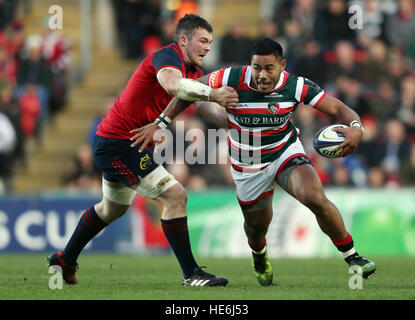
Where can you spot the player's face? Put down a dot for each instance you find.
(197, 47)
(266, 71)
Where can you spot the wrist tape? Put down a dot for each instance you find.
(356, 123)
(162, 121)
(192, 90)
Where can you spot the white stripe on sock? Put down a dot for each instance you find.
(262, 251)
(349, 253)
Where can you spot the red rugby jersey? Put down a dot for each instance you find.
(144, 99)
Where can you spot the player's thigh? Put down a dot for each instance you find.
(304, 184)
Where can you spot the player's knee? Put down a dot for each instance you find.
(180, 197)
(314, 198)
(99, 208)
(176, 198)
(109, 211)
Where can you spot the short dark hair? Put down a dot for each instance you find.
(267, 46)
(188, 24)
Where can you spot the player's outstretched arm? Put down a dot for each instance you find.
(169, 78)
(214, 113)
(192, 90)
(344, 115)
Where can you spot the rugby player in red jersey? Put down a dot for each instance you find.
(268, 97)
(165, 73)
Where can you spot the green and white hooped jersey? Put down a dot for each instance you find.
(260, 126)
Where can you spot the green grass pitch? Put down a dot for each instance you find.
(125, 277)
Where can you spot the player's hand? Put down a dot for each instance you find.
(225, 96)
(353, 136)
(144, 135)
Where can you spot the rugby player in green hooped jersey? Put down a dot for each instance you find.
(264, 148)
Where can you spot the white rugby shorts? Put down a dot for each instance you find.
(252, 186)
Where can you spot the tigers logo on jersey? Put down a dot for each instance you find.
(273, 108)
(215, 79)
(145, 162)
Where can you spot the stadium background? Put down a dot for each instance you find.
(56, 86)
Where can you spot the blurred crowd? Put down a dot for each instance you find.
(33, 87)
(369, 65)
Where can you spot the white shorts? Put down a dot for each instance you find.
(252, 186)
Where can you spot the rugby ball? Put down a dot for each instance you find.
(326, 140)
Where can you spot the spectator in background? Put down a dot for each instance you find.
(308, 124)
(406, 112)
(394, 151)
(401, 26)
(16, 40)
(376, 178)
(150, 44)
(344, 63)
(34, 70)
(130, 32)
(270, 29)
(295, 37)
(351, 92)
(369, 149)
(235, 47)
(7, 146)
(136, 19)
(377, 64)
(341, 176)
(167, 31)
(407, 170)
(8, 67)
(213, 171)
(83, 173)
(302, 11)
(282, 12)
(356, 170)
(150, 24)
(7, 11)
(311, 63)
(374, 21)
(56, 51)
(348, 171)
(385, 104)
(30, 114)
(109, 101)
(397, 69)
(331, 24)
(11, 108)
(180, 170)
